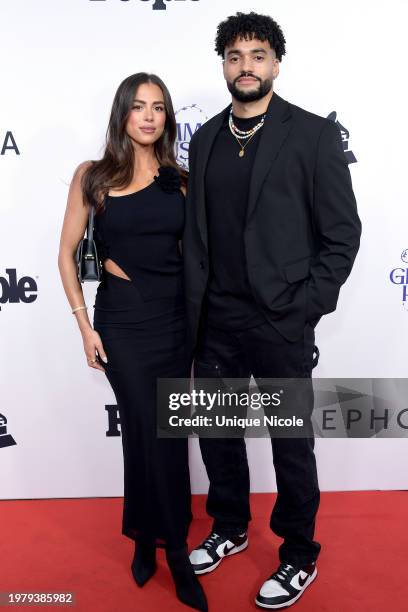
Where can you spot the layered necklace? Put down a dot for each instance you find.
(243, 134)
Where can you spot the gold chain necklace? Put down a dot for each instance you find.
(254, 130)
(242, 151)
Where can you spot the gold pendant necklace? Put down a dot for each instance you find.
(242, 151)
(254, 131)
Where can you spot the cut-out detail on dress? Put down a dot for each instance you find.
(118, 268)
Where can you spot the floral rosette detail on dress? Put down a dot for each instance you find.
(168, 179)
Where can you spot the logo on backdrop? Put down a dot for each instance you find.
(189, 119)
(399, 276)
(13, 291)
(157, 5)
(5, 438)
(113, 421)
(345, 135)
(8, 144)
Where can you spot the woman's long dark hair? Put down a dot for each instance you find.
(115, 169)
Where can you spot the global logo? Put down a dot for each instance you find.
(399, 276)
(345, 135)
(5, 438)
(13, 291)
(189, 119)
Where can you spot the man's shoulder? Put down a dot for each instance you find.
(307, 117)
(310, 126)
(205, 127)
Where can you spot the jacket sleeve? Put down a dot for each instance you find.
(336, 223)
(190, 189)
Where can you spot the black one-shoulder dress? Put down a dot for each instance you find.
(142, 324)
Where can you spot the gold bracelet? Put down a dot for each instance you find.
(80, 308)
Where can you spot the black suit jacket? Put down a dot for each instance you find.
(302, 229)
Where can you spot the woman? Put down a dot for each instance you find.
(139, 323)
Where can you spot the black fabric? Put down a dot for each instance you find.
(229, 301)
(301, 234)
(141, 348)
(144, 561)
(263, 352)
(140, 232)
(188, 587)
(142, 324)
(302, 230)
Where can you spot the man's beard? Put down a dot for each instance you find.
(251, 95)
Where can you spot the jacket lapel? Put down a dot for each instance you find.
(203, 154)
(274, 132)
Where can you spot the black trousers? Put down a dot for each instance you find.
(145, 340)
(262, 352)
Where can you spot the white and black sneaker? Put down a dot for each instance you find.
(285, 586)
(209, 554)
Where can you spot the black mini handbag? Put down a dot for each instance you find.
(89, 266)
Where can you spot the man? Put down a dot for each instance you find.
(272, 231)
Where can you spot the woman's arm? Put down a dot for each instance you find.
(73, 229)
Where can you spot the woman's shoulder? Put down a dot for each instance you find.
(83, 166)
(81, 170)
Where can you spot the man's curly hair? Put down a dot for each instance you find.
(248, 26)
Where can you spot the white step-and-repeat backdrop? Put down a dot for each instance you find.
(61, 63)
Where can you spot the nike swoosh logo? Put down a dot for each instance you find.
(303, 580)
(227, 550)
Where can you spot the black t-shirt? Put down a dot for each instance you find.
(229, 302)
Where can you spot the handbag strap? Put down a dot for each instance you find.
(89, 231)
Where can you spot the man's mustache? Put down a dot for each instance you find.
(246, 74)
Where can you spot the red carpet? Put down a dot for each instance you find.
(76, 545)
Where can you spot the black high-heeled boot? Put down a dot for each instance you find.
(144, 561)
(188, 588)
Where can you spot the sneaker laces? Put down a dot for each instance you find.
(283, 572)
(211, 540)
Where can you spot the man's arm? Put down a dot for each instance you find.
(336, 223)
